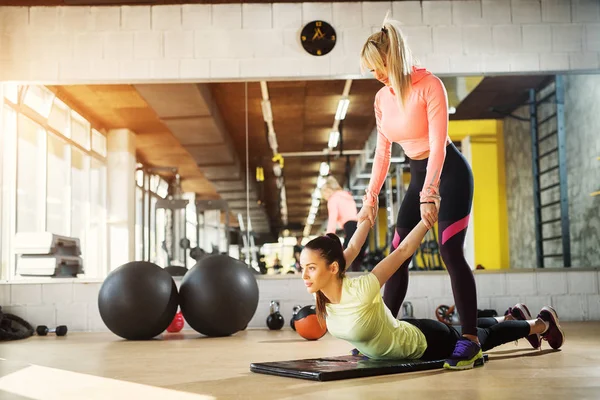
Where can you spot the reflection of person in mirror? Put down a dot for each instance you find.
(412, 110)
(353, 308)
(341, 210)
(297, 250)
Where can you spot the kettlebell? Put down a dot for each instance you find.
(294, 313)
(275, 320)
(407, 310)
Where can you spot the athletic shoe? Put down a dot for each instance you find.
(466, 353)
(520, 312)
(554, 335)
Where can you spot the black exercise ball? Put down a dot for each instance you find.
(138, 300)
(218, 296)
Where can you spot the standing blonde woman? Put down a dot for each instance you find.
(412, 110)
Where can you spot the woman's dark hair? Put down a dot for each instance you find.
(330, 248)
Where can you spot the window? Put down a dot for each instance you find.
(31, 176)
(39, 99)
(59, 117)
(80, 196)
(95, 262)
(58, 213)
(80, 130)
(11, 92)
(98, 143)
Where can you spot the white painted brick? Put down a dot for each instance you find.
(134, 69)
(166, 17)
(374, 12)
(315, 66)
(15, 70)
(179, 44)
(106, 18)
(585, 10)
(224, 68)
(587, 61)
(495, 63)
(266, 43)
(118, 45)
(438, 64)
(353, 40)
(496, 11)
(284, 67)
(447, 39)
(164, 69)
(582, 281)
(427, 286)
(572, 307)
(51, 46)
(535, 303)
(592, 37)
(95, 323)
(289, 16)
(43, 18)
(227, 16)
(86, 292)
(148, 45)
(419, 38)
(466, 64)
(537, 38)
(196, 16)
(524, 62)
(257, 16)
(343, 64)
(211, 44)
(467, 12)
(554, 62)
(135, 18)
(408, 12)
(483, 303)
(567, 37)
(521, 284)
(26, 294)
(525, 11)
(57, 293)
(346, 15)
(594, 307)
(19, 311)
(89, 45)
(317, 11)
(75, 19)
(76, 69)
(293, 48)
(46, 70)
(420, 307)
(437, 12)
(551, 283)
(197, 69)
(260, 316)
(556, 11)
(42, 315)
(254, 68)
(507, 38)
(501, 303)
(73, 315)
(12, 18)
(4, 295)
(491, 284)
(477, 39)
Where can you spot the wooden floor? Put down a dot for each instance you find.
(187, 366)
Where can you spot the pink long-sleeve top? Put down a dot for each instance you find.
(341, 208)
(421, 126)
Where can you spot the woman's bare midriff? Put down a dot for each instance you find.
(421, 156)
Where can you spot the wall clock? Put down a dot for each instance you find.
(318, 38)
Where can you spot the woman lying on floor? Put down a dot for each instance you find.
(354, 310)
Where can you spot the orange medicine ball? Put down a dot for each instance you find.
(307, 324)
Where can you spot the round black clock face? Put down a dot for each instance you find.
(318, 38)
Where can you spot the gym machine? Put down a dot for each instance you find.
(47, 254)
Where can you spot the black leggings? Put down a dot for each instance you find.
(442, 338)
(349, 229)
(456, 190)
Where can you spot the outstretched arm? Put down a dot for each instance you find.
(357, 241)
(386, 267)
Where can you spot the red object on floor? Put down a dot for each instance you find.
(176, 324)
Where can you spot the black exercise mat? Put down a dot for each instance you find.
(343, 367)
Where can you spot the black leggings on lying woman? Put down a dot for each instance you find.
(441, 338)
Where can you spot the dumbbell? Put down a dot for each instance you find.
(42, 330)
(275, 319)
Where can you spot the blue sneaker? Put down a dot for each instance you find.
(465, 355)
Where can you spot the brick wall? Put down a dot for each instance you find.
(239, 41)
